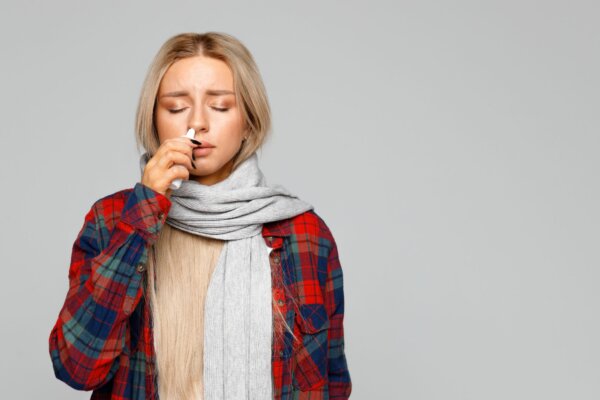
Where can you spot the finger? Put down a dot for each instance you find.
(185, 160)
(175, 157)
(179, 144)
(177, 171)
(183, 139)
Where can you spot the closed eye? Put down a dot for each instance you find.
(214, 108)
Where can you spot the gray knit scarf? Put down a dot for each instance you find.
(238, 308)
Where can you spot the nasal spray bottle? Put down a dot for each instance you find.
(177, 182)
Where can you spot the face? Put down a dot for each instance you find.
(197, 92)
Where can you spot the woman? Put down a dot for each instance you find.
(224, 288)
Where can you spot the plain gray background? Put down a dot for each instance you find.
(451, 146)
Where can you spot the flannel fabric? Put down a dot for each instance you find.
(102, 338)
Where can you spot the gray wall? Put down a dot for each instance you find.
(452, 148)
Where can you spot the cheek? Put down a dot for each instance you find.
(159, 122)
(232, 130)
(166, 129)
(231, 142)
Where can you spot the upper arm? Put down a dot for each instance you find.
(340, 385)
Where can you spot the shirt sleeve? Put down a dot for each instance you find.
(105, 286)
(340, 384)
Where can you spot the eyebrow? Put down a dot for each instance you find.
(209, 92)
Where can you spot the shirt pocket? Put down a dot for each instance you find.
(310, 355)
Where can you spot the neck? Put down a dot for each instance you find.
(215, 177)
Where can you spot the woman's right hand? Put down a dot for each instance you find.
(172, 160)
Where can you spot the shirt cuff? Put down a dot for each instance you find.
(146, 211)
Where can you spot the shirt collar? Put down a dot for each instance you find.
(277, 228)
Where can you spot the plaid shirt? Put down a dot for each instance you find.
(102, 339)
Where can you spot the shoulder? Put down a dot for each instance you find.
(311, 225)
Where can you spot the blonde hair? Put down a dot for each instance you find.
(179, 272)
(181, 264)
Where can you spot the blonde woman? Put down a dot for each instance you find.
(226, 287)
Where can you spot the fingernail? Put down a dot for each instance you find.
(195, 141)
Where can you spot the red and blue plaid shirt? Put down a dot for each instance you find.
(102, 339)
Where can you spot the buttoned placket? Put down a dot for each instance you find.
(275, 243)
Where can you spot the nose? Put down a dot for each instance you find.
(198, 120)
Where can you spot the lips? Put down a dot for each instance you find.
(205, 145)
(202, 151)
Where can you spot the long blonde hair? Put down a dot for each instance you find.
(180, 264)
(179, 271)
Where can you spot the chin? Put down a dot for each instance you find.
(199, 174)
(204, 169)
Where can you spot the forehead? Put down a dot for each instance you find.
(197, 74)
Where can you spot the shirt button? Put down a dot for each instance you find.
(270, 239)
(276, 259)
(161, 215)
(281, 353)
(280, 302)
(141, 268)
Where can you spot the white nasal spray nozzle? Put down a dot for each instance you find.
(177, 182)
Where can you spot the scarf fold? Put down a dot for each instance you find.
(238, 305)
